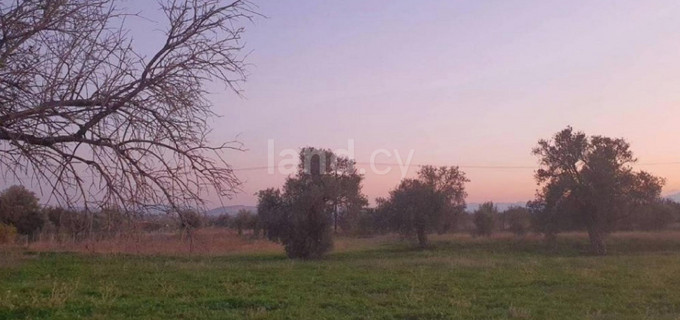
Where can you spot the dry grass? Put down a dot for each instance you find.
(217, 241)
(207, 241)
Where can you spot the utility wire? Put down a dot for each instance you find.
(463, 166)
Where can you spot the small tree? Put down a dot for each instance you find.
(189, 222)
(271, 214)
(244, 220)
(485, 219)
(421, 206)
(412, 208)
(223, 221)
(19, 208)
(73, 223)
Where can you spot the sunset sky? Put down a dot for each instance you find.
(469, 83)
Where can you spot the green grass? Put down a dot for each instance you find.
(457, 279)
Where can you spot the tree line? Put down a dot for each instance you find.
(584, 183)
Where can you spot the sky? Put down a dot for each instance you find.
(468, 83)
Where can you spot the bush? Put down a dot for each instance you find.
(7, 233)
(19, 208)
(298, 218)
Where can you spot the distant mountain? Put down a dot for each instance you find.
(675, 197)
(230, 210)
(502, 206)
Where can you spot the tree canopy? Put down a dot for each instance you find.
(421, 206)
(301, 216)
(590, 181)
(19, 208)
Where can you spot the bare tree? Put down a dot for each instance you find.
(93, 120)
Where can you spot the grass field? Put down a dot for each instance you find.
(380, 278)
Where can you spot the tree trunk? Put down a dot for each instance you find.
(422, 237)
(597, 241)
(335, 218)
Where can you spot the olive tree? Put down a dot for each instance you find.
(271, 213)
(591, 181)
(420, 206)
(302, 215)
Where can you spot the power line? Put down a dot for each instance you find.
(465, 166)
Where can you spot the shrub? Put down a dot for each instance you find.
(19, 207)
(299, 218)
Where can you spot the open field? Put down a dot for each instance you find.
(378, 278)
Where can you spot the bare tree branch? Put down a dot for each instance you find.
(95, 122)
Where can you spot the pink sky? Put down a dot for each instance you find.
(470, 83)
(460, 82)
